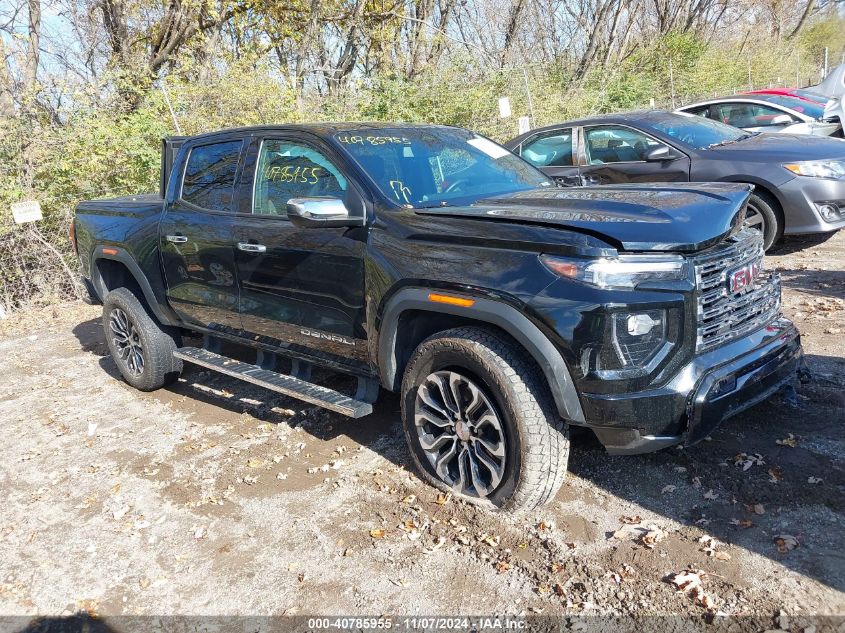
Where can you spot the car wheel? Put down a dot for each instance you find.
(142, 350)
(480, 422)
(763, 214)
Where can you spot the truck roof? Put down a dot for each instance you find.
(322, 128)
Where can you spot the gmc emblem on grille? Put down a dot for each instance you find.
(743, 277)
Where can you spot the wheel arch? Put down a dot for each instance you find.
(393, 354)
(113, 267)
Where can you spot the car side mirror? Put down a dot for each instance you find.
(660, 153)
(781, 119)
(320, 212)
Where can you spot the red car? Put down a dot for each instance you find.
(797, 93)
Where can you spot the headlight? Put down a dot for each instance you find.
(624, 271)
(818, 168)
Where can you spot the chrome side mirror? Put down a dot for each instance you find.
(320, 212)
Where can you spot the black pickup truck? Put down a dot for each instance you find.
(430, 261)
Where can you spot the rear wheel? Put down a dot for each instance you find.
(140, 347)
(763, 214)
(480, 422)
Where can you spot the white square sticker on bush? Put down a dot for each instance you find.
(29, 211)
(488, 147)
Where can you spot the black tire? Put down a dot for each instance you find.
(142, 336)
(536, 441)
(770, 215)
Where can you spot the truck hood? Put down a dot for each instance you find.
(656, 217)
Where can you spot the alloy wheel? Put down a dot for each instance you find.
(460, 433)
(754, 219)
(127, 341)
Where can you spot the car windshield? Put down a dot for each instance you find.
(694, 130)
(811, 109)
(425, 167)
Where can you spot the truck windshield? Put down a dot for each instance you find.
(425, 167)
(694, 130)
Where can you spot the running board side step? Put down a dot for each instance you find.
(280, 383)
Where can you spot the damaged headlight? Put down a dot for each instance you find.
(624, 271)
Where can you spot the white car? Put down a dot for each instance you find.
(772, 113)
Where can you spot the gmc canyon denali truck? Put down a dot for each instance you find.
(431, 261)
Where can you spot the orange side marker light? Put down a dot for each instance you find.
(455, 301)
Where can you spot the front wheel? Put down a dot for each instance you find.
(140, 347)
(480, 422)
(763, 214)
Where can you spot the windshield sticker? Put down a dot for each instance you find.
(488, 147)
(352, 139)
(400, 190)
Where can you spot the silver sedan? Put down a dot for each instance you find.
(770, 113)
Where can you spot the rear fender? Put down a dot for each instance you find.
(115, 253)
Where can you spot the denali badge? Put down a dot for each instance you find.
(743, 277)
(328, 337)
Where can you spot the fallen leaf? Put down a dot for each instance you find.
(653, 536)
(756, 508)
(669, 488)
(711, 495)
(502, 567)
(774, 475)
(634, 520)
(814, 480)
(377, 533)
(558, 589)
(746, 461)
(790, 441)
(443, 499)
(439, 542)
(743, 523)
(409, 499)
(785, 542)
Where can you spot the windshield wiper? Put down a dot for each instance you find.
(743, 137)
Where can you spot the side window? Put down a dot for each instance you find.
(553, 149)
(293, 170)
(209, 180)
(700, 111)
(612, 144)
(748, 114)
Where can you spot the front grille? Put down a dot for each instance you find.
(723, 316)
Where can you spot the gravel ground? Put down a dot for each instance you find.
(214, 497)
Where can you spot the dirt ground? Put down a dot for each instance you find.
(216, 497)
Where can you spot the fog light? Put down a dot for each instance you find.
(829, 211)
(641, 324)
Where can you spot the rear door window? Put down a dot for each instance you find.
(209, 180)
(552, 149)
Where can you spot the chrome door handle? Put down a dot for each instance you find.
(252, 248)
(176, 239)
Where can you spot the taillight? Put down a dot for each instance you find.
(72, 233)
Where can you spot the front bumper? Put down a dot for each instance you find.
(710, 389)
(799, 197)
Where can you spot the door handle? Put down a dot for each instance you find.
(176, 239)
(251, 248)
